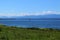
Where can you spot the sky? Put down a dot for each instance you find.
(29, 7)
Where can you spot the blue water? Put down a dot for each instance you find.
(32, 23)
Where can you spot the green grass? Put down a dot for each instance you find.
(16, 33)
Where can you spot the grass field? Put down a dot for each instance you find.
(16, 33)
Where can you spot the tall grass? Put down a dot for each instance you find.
(16, 33)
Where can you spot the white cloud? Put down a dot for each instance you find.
(28, 14)
(50, 12)
(39, 13)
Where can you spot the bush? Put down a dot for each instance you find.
(33, 28)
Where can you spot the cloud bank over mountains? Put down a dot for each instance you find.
(29, 14)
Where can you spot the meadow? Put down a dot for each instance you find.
(19, 33)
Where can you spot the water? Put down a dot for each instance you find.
(32, 23)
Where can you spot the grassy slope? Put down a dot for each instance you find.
(15, 33)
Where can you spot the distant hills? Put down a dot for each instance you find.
(42, 16)
(50, 16)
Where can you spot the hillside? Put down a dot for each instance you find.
(18, 33)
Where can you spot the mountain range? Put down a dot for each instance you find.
(34, 16)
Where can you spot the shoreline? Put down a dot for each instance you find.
(29, 27)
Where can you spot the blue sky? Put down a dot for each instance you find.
(29, 7)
